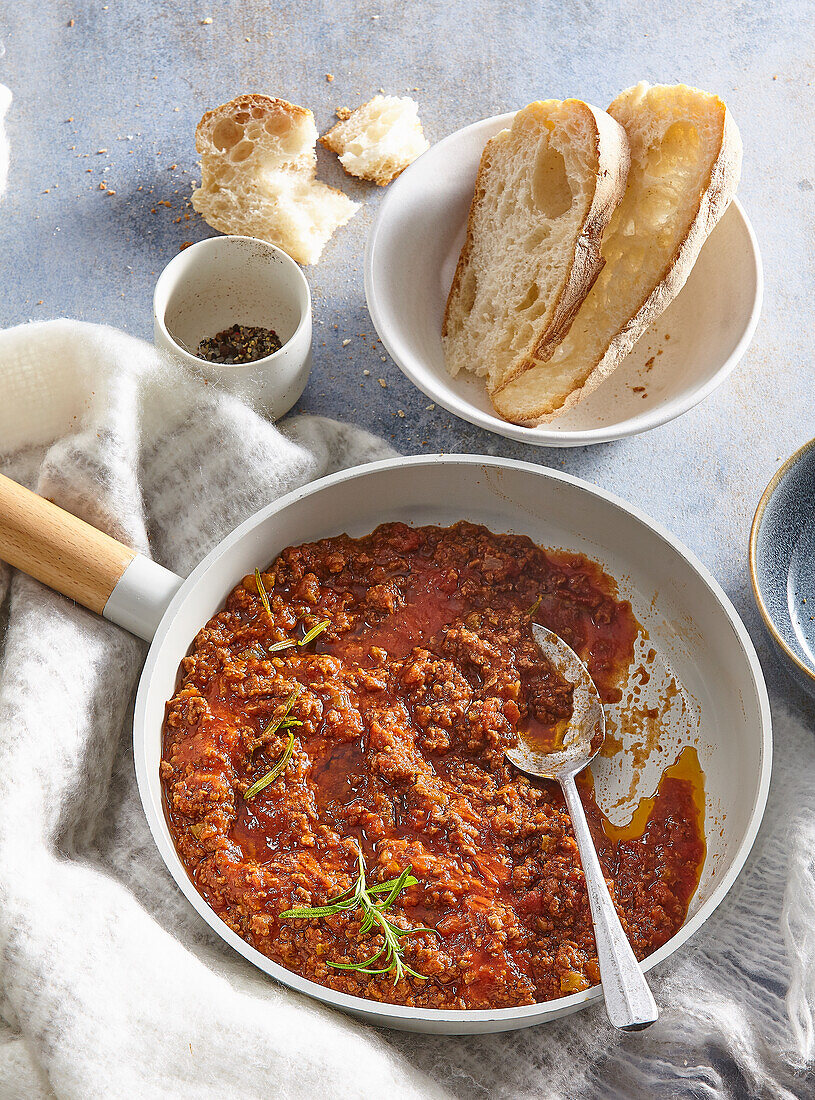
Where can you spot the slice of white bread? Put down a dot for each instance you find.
(685, 164)
(258, 168)
(378, 140)
(544, 194)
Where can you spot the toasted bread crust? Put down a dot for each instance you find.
(245, 103)
(467, 247)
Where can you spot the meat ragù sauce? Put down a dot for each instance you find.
(426, 670)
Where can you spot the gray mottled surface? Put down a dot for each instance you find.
(132, 79)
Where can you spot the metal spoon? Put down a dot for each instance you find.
(629, 1002)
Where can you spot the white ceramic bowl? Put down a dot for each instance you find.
(699, 641)
(238, 280)
(412, 252)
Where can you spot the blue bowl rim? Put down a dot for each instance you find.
(766, 496)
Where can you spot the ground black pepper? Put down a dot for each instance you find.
(239, 344)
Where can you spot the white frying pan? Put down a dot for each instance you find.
(705, 677)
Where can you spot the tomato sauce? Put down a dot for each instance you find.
(426, 671)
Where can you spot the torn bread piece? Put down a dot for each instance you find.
(258, 168)
(378, 140)
(685, 165)
(545, 191)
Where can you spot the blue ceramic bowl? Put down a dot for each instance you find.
(782, 563)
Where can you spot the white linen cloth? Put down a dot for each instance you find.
(110, 985)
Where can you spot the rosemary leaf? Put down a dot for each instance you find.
(314, 632)
(269, 777)
(317, 911)
(262, 593)
(535, 606)
(277, 646)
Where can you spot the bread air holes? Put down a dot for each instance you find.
(277, 125)
(551, 193)
(679, 147)
(530, 297)
(226, 134)
(241, 151)
(469, 287)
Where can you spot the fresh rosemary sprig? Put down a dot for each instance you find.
(361, 896)
(286, 723)
(264, 599)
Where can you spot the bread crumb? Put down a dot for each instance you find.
(430, 407)
(206, 22)
(366, 373)
(100, 151)
(70, 22)
(345, 343)
(343, 113)
(382, 383)
(400, 412)
(329, 77)
(184, 244)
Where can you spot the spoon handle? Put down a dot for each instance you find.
(629, 1002)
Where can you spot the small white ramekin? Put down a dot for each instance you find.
(224, 281)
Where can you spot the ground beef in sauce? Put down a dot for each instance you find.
(426, 671)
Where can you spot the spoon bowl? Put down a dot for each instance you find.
(629, 1002)
(586, 729)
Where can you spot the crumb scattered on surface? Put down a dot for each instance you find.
(329, 77)
(382, 383)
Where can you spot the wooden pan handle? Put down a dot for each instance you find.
(58, 549)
